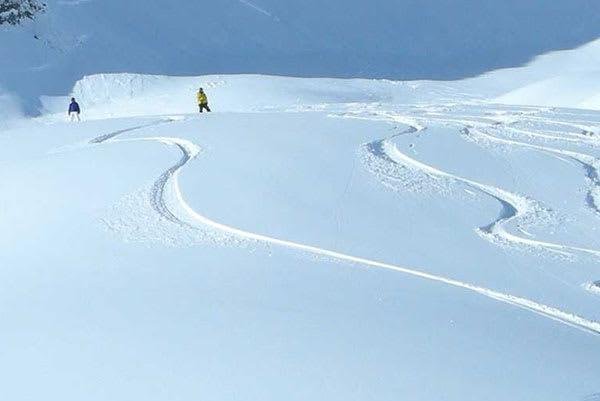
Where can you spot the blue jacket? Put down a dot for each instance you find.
(74, 107)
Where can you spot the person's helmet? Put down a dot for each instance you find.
(72, 99)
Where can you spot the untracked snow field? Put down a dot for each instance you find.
(310, 240)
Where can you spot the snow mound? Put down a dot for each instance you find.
(122, 95)
(577, 90)
(559, 79)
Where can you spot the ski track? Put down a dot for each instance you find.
(107, 137)
(188, 151)
(507, 119)
(515, 208)
(167, 185)
(590, 164)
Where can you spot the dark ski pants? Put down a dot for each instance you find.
(204, 106)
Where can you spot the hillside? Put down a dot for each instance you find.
(349, 240)
(398, 40)
(312, 238)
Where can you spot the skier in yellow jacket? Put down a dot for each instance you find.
(202, 100)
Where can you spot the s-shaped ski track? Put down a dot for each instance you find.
(167, 185)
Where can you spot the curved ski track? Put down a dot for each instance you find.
(590, 164)
(168, 185)
(515, 207)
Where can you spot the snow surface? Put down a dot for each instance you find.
(311, 239)
(322, 239)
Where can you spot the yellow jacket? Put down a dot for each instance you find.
(202, 99)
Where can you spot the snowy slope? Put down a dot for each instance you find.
(312, 239)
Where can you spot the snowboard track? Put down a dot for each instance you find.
(167, 185)
(109, 136)
(588, 163)
(591, 165)
(159, 187)
(475, 129)
(515, 208)
(157, 192)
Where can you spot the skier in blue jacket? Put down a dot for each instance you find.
(74, 110)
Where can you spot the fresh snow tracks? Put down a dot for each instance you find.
(167, 187)
(383, 154)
